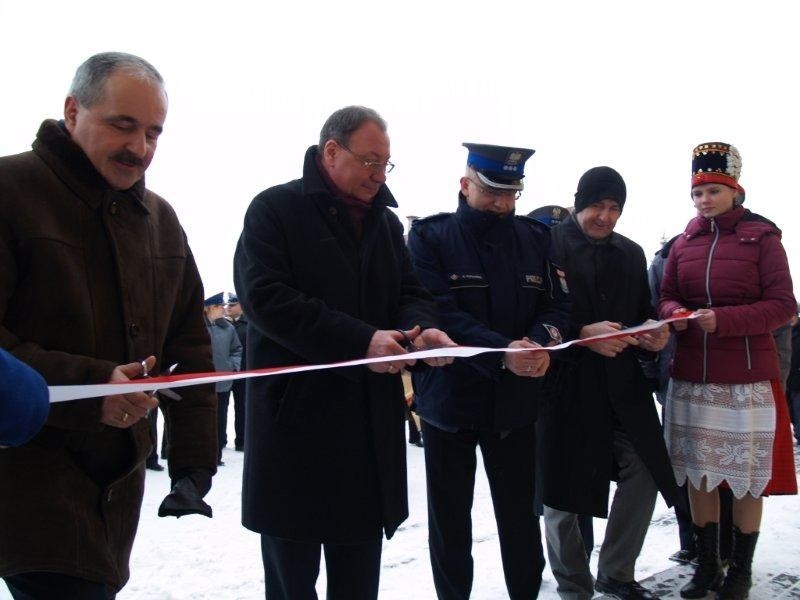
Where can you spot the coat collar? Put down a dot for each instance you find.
(725, 222)
(484, 224)
(740, 220)
(572, 228)
(313, 183)
(67, 160)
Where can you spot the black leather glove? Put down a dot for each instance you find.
(186, 497)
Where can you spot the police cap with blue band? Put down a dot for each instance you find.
(501, 167)
(215, 300)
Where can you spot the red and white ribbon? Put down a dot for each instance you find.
(62, 393)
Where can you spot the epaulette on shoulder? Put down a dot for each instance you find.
(431, 218)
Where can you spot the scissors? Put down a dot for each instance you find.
(167, 393)
(407, 343)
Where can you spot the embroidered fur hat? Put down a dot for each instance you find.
(717, 162)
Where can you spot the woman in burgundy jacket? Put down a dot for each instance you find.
(725, 419)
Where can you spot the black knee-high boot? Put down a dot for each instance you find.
(740, 574)
(708, 574)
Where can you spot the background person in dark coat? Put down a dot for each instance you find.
(604, 424)
(683, 515)
(323, 274)
(793, 381)
(96, 275)
(490, 274)
(227, 352)
(233, 311)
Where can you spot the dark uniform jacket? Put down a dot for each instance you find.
(91, 278)
(324, 451)
(493, 284)
(607, 281)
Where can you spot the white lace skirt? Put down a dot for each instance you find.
(724, 432)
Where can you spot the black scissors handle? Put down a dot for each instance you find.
(407, 343)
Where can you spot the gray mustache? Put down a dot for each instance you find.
(128, 157)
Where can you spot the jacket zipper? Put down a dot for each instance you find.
(747, 352)
(715, 229)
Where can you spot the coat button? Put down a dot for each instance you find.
(113, 208)
(133, 329)
(332, 210)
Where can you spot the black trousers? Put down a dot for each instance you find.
(414, 436)
(683, 515)
(153, 417)
(55, 586)
(291, 569)
(238, 390)
(222, 422)
(510, 462)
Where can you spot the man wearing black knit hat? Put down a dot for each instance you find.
(604, 424)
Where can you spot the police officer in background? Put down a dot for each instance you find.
(490, 274)
(233, 311)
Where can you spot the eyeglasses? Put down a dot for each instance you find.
(373, 165)
(495, 192)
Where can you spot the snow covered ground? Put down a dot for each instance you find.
(198, 558)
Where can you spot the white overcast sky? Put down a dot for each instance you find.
(634, 85)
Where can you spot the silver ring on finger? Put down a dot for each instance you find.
(124, 417)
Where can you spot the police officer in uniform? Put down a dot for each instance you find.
(495, 286)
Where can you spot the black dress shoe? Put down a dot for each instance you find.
(220, 463)
(624, 590)
(417, 443)
(154, 466)
(683, 556)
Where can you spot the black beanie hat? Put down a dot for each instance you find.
(600, 183)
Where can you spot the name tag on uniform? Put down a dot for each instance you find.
(465, 280)
(532, 280)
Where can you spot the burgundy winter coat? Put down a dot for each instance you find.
(734, 264)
